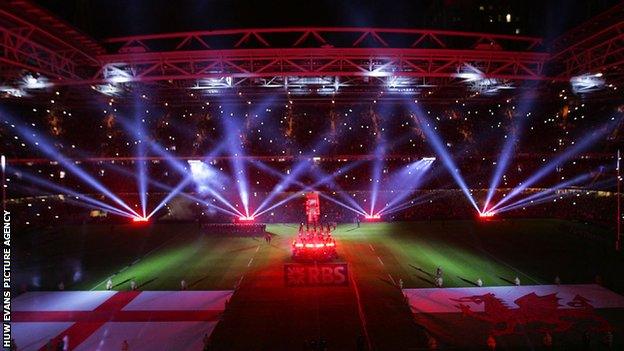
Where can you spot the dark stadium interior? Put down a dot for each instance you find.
(312, 175)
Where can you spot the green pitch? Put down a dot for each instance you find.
(159, 256)
(535, 251)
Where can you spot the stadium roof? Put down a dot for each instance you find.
(183, 54)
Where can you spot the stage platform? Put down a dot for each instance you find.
(102, 320)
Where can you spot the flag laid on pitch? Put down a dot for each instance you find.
(102, 320)
(516, 316)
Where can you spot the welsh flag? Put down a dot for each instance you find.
(519, 316)
(102, 320)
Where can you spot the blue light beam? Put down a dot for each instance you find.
(578, 146)
(436, 143)
(45, 146)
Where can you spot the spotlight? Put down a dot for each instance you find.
(116, 75)
(246, 218)
(107, 89)
(140, 219)
(372, 217)
(31, 82)
(478, 82)
(14, 92)
(586, 83)
(486, 214)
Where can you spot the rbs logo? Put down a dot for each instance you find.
(325, 274)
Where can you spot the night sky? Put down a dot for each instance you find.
(109, 18)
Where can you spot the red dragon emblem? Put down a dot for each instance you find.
(539, 313)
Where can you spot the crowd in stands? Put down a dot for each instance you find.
(276, 129)
(337, 147)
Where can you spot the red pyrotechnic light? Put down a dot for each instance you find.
(246, 218)
(486, 214)
(140, 219)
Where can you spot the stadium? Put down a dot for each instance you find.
(329, 175)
